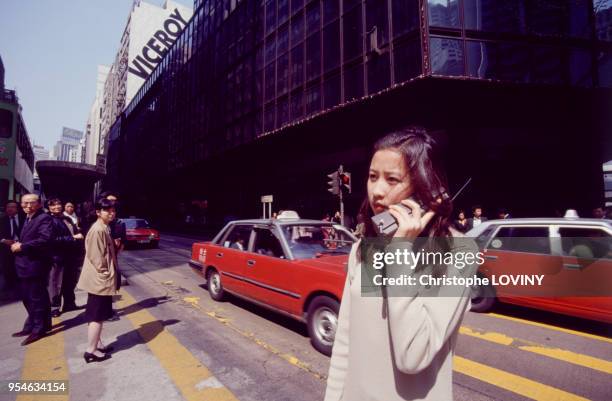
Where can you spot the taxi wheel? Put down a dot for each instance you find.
(215, 288)
(323, 323)
(482, 298)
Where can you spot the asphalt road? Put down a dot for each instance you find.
(173, 342)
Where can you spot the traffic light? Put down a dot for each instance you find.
(345, 181)
(334, 183)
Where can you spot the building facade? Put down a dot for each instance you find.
(149, 32)
(93, 129)
(69, 145)
(267, 97)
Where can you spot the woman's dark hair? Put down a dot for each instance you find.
(423, 163)
(104, 204)
(54, 201)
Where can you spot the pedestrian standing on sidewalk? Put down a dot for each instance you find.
(10, 227)
(390, 346)
(119, 236)
(461, 224)
(70, 212)
(100, 279)
(33, 263)
(66, 254)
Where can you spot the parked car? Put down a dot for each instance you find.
(575, 255)
(139, 232)
(294, 266)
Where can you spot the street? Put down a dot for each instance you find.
(172, 342)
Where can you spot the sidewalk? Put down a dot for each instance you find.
(148, 364)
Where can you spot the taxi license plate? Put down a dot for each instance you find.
(144, 241)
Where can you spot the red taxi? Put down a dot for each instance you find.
(296, 267)
(139, 232)
(574, 256)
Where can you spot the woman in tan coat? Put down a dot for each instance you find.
(100, 279)
(395, 344)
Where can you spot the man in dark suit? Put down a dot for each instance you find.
(10, 227)
(33, 263)
(476, 218)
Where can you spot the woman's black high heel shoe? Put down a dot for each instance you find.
(95, 358)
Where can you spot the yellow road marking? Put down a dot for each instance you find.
(251, 336)
(45, 360)
(540, 349)
(192, 378)
(511, 382)
(548, 326)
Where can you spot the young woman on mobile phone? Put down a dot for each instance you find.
(392, 348)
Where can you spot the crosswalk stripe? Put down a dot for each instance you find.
(556, 353)
(192, 378)
(45, 360)
(551, 327)
(511, 382)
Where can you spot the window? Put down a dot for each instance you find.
(547, 64)
(282, 112)
(405, 16)
(270, 16)
(555, 17)
(313, 18)
(353, 39)
(6, 123)
(283, 11)
(580, 67)
(270, 81)
(297, 106)
(267, 244)
(603, 21)
(331, 91)
(522, 239)
(446, 56)
(353, 82)
(283, 40)
(379, 73)
(238, 238)
(500, 16)
(297, 30)
(313, 56)
(282, 84)
(587, 243)
(331, 10)
(503, 61)
(331, 46)
(377, 18)
(297, 66)
(313, 99)
(407, 61)
(443, 13)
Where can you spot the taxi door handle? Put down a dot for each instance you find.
(491, 257)
(219, 254)
(251, 262)
(571, 266)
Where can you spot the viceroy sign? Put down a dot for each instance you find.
(159, 44)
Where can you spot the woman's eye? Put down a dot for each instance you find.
(372, 177)
(393, 180)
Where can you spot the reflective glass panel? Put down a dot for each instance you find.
(443, 13)
(446, 56)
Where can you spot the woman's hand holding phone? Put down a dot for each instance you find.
(410, 224)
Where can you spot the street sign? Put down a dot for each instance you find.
(267, 199)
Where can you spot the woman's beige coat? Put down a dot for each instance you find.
(394, 348)
(99, 274)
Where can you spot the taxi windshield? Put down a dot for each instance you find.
(135, 223)
(312, 241)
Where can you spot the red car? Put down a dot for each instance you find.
(296, 267)
(139, 232)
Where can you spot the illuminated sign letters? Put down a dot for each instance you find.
(155, 49)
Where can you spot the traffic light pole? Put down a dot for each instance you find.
(341, 209)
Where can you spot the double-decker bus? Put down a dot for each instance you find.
(16, 154)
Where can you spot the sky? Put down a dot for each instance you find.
(51, 50)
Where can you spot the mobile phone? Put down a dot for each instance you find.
(385, 223)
